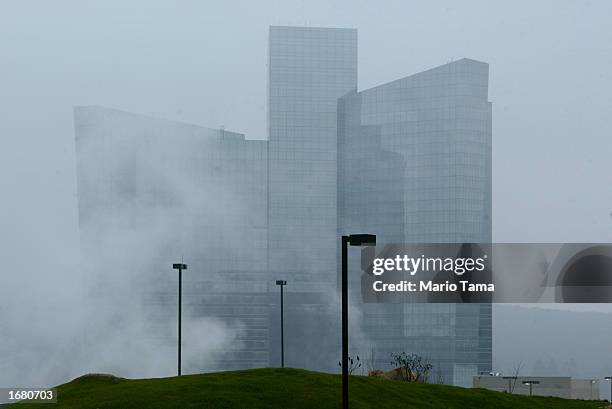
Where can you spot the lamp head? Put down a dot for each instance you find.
(362, 239)
(179, 266)
(281, 282)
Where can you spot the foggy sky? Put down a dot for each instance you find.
(205, 63)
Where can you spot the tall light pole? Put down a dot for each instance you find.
(353, 240)
(281, 284)
(180, 267)
(530, 384)
(609, 378)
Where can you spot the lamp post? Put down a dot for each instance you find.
(352, 240)
(530, 384)
(593, 381)
(180, 267)
(609, 378)
(281, 284)
(510, 379)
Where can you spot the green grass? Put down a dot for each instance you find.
(284, 389)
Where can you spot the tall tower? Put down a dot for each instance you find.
(151, 191)
(309, 69)
(415, 166)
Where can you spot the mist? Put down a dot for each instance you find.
(206, 64)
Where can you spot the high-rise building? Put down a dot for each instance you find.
(152, 192)
(415, 166)
(309, 69)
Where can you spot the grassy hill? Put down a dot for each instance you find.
(283, 389)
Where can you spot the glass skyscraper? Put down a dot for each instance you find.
(415, 166)
(309, 69)
(152, 192)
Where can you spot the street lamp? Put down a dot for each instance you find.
(530, 384)
(609, 378)
(510, 379)
(180, 267)
(353, 240)
(281, 284)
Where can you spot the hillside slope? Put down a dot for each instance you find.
(283, 389)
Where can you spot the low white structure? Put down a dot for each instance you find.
(558, 386)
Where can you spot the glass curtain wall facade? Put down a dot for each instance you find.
(152, 192)
(415, 166)
(309, 69)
